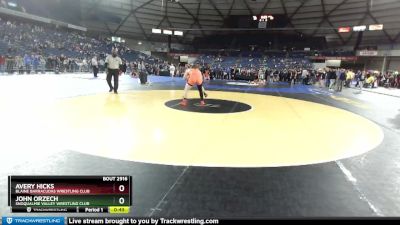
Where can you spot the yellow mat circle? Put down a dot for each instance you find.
(277, 131)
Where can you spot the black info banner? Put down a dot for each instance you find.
(136, 221)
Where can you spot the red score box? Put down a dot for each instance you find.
(67, 189)
(344, 29)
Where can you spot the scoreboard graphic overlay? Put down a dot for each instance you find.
(74, 194)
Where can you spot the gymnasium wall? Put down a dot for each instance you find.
(375, 63)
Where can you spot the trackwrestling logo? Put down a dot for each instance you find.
(33, 220)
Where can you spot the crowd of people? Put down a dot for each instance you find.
(388, 79)
(336, 79)
(247, 64)
(332, 78)
(285, 67)
(27, 48)
(32, 48)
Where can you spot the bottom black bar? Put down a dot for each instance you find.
(136, 221)
(210, 221)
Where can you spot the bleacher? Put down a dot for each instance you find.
(272, 60)
(20, 38)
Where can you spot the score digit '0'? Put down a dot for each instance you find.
(121, 200)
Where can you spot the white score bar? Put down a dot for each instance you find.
(263, 18)
(178, 33)
(376, 27)
(359, 28)
(167, 32)
(156, 31)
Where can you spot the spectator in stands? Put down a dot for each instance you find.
(312, 78)
(141, 67)
(357, 78)
(101, 65)
(321, 77)
(349, 77)
(261, 74)
(340, 80)
(292, 75)
(10, 64)
(370, 81)
(361, 79)
(95, 66)
(304, 76)
(134, 69)
(332, 79)
(64, 63)
(28, 63)
(276, 76)
(266, 74)
(327, 74)
(84, 65)
(124, 67)
(42, 63)
(72, 66)
(2, 64)
(19, 64)
(35, 62)
(172, 70)
(380, 79)
(298, 75)
(338, 71)
(284, 76)
(206, 73)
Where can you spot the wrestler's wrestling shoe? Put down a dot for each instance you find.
(183, 102)
(205, 95)
(202, 103)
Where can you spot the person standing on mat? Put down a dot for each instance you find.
(193, 77)
(95, 66)
(114, 64)
(172, 70)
